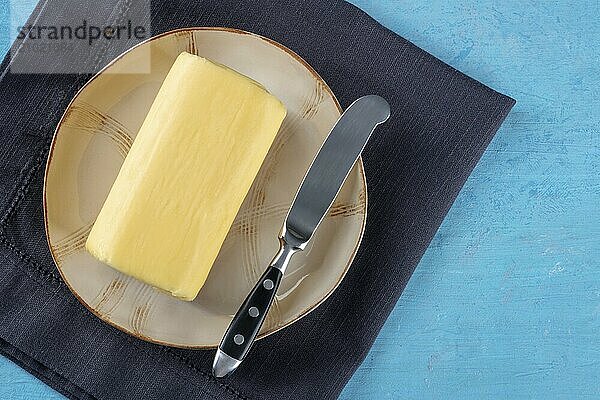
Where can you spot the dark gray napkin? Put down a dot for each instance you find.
(442, 121)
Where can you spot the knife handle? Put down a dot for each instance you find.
(248, 320)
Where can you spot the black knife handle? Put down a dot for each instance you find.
(248, 320)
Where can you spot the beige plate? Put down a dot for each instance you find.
(92, 140)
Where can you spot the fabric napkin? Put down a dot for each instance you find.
(415, 164)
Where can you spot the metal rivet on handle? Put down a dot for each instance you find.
(238, 339)
(268, 284)
(253, 311)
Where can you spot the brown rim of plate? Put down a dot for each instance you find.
(45, 207)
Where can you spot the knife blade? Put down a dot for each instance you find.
(317, 191)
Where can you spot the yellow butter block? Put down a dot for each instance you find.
(186, 175)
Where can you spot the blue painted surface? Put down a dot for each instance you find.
(506, 302)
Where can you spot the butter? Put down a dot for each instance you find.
(186, 175)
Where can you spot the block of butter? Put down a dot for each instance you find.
(186, 175)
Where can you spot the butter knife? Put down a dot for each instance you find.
(316, 194)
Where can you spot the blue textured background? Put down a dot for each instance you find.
(506, 302)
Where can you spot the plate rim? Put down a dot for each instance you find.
(141, 336)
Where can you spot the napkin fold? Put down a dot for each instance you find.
(415, 164)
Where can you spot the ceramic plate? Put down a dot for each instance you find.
(92, 140)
